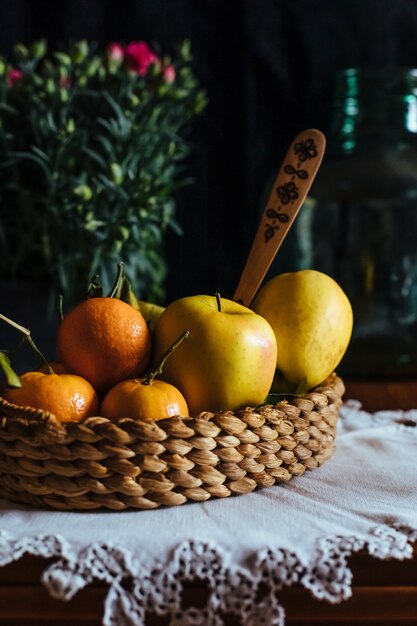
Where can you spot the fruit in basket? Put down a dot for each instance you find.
(312, 320)
(147, 398)
(143, 401)
(105, 341)
(70, 398)
(151, 312)
(229, 360)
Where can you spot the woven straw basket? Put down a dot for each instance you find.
(131, 464)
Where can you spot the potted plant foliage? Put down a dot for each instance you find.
(92, 149)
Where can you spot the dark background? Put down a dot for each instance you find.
(267, 66)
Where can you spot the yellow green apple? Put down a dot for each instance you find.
(151, 312)
(229, 359)
(312, 320)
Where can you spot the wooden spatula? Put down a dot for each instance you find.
(288, 193)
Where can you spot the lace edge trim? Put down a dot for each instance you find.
(135, 591)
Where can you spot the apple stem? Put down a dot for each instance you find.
(219, 302)
(27, 336)
(158, 370)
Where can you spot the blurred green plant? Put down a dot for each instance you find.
(92, 149)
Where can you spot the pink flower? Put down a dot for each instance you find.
(64, 82)
(14, 76)
(138, 57)
(115, 52)
(169, 74)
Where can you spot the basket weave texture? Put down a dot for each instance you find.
(129, 464)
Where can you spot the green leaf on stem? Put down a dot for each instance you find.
(11, 377)
(122, 289)
(274, 398)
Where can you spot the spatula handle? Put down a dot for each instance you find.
(288, 194)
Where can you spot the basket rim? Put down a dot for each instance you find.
(333, 388)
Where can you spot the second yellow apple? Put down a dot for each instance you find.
(312, 320)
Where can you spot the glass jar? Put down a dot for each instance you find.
(359, 223)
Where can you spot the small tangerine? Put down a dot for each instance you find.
(105, 341)
(144, 401)
(67, 396)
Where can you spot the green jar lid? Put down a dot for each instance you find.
(374, 82)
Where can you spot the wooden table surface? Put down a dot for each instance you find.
(384, 592)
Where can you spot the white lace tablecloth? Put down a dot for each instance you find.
(364, 497)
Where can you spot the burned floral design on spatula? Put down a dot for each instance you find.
(288, 192)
